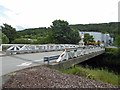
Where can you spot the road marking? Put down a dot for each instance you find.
(38, 60)
(25, 64)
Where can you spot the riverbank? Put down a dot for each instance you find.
(95, 74)
(110, 60)
(44, 77)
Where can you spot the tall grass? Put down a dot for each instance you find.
(96, 74)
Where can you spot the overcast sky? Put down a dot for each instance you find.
(40, 13)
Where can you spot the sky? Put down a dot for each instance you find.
(22, 14)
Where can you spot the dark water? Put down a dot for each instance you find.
(104, 61)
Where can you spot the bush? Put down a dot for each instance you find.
(113, 51)
(73, 70)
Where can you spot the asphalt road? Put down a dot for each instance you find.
(13, 63)
(21, 61)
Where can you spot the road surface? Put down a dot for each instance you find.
(21, 61)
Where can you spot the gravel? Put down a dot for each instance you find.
(44, 77)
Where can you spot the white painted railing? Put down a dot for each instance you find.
(72, 50)
(16, 48)
(68, 54)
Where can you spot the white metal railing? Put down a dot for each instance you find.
(16, 48)
(67, 54)
(72, 50)
(72, 53)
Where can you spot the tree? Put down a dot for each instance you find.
(3, 38)
(62, 33)
(74, 37)
(9, 31)
(88, 38)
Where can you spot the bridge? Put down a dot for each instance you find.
(78, 57)
(19, 56)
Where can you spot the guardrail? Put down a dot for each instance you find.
(73, 53)
(50, 58)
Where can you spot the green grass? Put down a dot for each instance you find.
(96, 74)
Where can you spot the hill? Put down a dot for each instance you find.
(111, 27)
(41, 35)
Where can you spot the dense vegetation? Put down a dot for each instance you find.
(42, 34)
(111, 28)
(88, 38)
(62, 33)
(109, 60)
(9, 31)
(3, 38)
(33, 36)
(59, 32)
(96, 74)
(104, 67)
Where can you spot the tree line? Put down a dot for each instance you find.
(59, 32)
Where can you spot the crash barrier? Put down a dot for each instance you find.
(16, 49)
(50, 58)
(73, 53)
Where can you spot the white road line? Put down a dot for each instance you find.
(29, 63)
(38, 60)
(25, 64)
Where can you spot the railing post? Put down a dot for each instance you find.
(75, 53)
(48, 61)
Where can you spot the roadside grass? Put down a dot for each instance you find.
(101, 75)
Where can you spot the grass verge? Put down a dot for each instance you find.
(101, 75)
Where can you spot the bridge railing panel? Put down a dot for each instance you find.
(78, 52)
(16, 49)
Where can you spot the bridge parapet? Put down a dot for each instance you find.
(69, 54)
(73, 61)
(71, 50)
(73, 53)
(17, 49)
